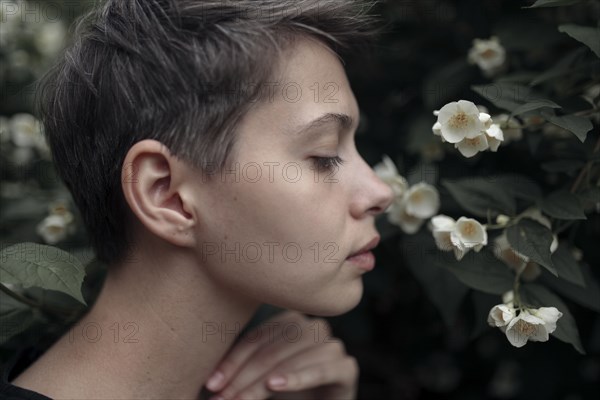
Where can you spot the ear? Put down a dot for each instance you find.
(153, 185)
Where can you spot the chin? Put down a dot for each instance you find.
(336, 304)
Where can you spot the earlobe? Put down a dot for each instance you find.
(151, 188)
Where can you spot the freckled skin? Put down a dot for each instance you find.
(326, 221)
(176, 295)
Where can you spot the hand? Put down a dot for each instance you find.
(300, 350)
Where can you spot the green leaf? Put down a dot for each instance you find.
(589, 197)
(507, 96)
(566, 328)
(47, 267)
(566, 265)
(478, 195)
(552, 3)
(566, 65)
(517, 99)
(519, 186)
(517, 77)
(580, 126)
(481, 271)
(534, 105)
(15, 317)
(590, 36)
(533, 240)
(562, 165)
(441, 286)
(588, 296)
(563, 205)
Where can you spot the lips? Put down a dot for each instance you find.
(367, 247)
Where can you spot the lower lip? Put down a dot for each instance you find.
(365, 261)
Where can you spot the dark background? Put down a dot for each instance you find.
(406, 349)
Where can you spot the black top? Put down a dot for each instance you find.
(17, 364)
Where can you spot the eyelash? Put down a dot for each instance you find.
(327, 163)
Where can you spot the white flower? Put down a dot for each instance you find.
(60, 207)
(469, 127)
(486, 120)
(26, 130)
(511, 128)
(468, 234)
(482, 109)
(502, 219)
(422, 200)
(441, 226)
(532, 324)
(398, 216)
(501, 315)
(437, 130)
(495, 136)
(459, 120)
(508, 297)
(52, 229)
(470, 147)
(459, 236)
(387, 172)
(49, 38)
(489, 55)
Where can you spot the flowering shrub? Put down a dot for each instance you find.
(531, 225)
(495, 178)
(40, 285)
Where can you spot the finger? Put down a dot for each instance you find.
(342, 371)
(324, 353)
(267, 332)
(263, 361)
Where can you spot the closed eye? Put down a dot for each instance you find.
(327, 163)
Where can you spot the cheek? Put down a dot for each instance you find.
(301, 211)
(277, 241)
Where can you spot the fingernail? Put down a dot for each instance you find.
(215, 380)
(277, 381)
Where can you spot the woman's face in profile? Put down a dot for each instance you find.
(280, 224)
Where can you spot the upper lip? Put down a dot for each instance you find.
(370, 245)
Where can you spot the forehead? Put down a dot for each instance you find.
(308, 82)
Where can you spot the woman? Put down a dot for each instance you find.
(215, 171)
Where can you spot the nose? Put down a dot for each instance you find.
(375, 195)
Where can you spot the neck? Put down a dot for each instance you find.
(157, 330)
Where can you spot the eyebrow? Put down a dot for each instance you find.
(343, 121)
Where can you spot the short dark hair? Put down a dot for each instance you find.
(169, 70)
